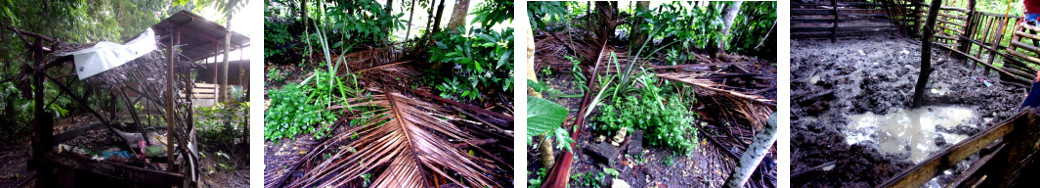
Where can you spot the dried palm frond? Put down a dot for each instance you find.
(402, 143)
(755, 109)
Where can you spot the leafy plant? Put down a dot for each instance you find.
(291, 113)
(668, 125)
(481, 61)
(490, 13)
(219, 122)
(543, 116)
(274, 75)
(536, 182)
(589, 179)
(541, 12)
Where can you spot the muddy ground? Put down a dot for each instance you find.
(706, 166)
(832, 81)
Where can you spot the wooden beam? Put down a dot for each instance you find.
(925, 171)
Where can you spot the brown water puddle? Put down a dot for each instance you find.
(910, 131)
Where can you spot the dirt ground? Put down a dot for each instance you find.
(832, 81)
(706, 166)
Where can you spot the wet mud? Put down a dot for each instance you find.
(834, 83)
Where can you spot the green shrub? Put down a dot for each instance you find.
(481, 61)
(665, 122)
(291, 113)
(220, 121)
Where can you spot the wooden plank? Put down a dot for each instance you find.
(953, 16)
(945, 36)
(1027, 35)
(957, 31)
(925, 171)
(969, 176)
(1024, 56)
(1026, 46)
(840, 20)
(205, 85)
(958, 24)
(137, 175)
(1029, 27)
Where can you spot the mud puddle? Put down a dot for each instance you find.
(914, 132)
(834, 87)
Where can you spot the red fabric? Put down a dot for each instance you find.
(1032, 6)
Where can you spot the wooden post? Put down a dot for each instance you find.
(834, 28)
(926, 54)
(969, 29)
(44, 126)
(170, 99)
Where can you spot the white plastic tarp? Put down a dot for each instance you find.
(107, 55)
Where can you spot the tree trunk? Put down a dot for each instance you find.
(729, 14)
(458, 17)
(388, 9)
(753, 156)
(437, 18)
(227, 56)
(638, 35)
(306, 27)
(411, 14)
(926, 53)
(547, 157)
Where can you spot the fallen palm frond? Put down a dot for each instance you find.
(402, 143)
(754, 109)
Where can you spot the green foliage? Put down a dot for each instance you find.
(361, 22)
(540, 175)
(691, 26)
(490, 13)
(481, 61)
(350, 24)
(563, 139)
(579, 75)
(666, 122)
(543, 13)
(281, 45)
(273, 75)
(755, 20)
(292, 113)
(543, 116)
(221, 121)
(613, 172)
(589, 179)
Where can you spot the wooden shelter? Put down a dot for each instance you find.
(183, 39)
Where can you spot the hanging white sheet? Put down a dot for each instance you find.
(107, 55)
